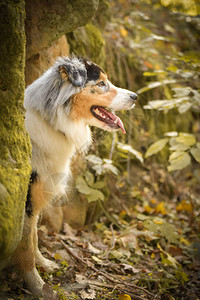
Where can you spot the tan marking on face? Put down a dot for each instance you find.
(103, 77)
(63, 73)
(83, 101)
(89, 96)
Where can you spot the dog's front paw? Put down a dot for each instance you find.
(46, 264)
(49, 265)
(34, 282)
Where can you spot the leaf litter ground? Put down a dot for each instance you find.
(146, 246)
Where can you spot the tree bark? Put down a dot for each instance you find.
(15, 146)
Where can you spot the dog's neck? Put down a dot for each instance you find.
(53, 148)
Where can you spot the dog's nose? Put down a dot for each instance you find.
(133, 96)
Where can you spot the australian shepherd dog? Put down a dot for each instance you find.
(61, 105)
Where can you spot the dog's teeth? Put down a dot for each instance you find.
(115, 121)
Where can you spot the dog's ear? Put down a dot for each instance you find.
(75, 72)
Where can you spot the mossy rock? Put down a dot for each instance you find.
(88, 41)
(46, 21)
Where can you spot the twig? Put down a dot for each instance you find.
(111, 218)
(129, 284)
(112, 146)
(113, 243)
(107, 276)
(116, 287)
(129, 142)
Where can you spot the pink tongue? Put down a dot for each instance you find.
(121, 125)
(119, 121)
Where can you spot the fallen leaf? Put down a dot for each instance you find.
(90, 294)
(184, 205)
(93, 249)
(123, 32)
(131, 268)
(48, 293)
(57, 256)
(160, 208)
(124, 297)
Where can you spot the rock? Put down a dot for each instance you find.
(46, 21)
(37, 64)
(75, 212)
(88, 41)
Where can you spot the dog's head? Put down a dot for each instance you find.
(97, 98)
(79, 90)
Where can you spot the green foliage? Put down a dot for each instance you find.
(128, 149)
(182, 146)
(163, 58)
(156, 147)
(190, 7)
(87, 185)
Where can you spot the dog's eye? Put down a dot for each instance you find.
(101, 83)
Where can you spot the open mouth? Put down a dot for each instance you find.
(106, 116)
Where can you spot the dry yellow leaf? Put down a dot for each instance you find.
(158, 221)
(57, 256)
(184, 241)
(160, 208)
(153, 201)
(184, 205)
(148, 208)
(123, 32)
(124, 297)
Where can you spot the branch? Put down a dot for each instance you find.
(107, 276)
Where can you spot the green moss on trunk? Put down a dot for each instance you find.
(15, 146)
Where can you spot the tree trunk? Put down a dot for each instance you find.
(15, 147)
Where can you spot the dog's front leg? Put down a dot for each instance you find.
(24, 258)
(40, 260)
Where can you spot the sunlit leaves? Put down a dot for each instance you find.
(156, 147)
(86, 183)
(91, 194)
(181, 145)
(155, 84)
(191, 7)
(184, 99)
(196, 154)
(101, 166)
(82, 186)
(94, 159)
(181, 161)
(186, 139)
(127, 148)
